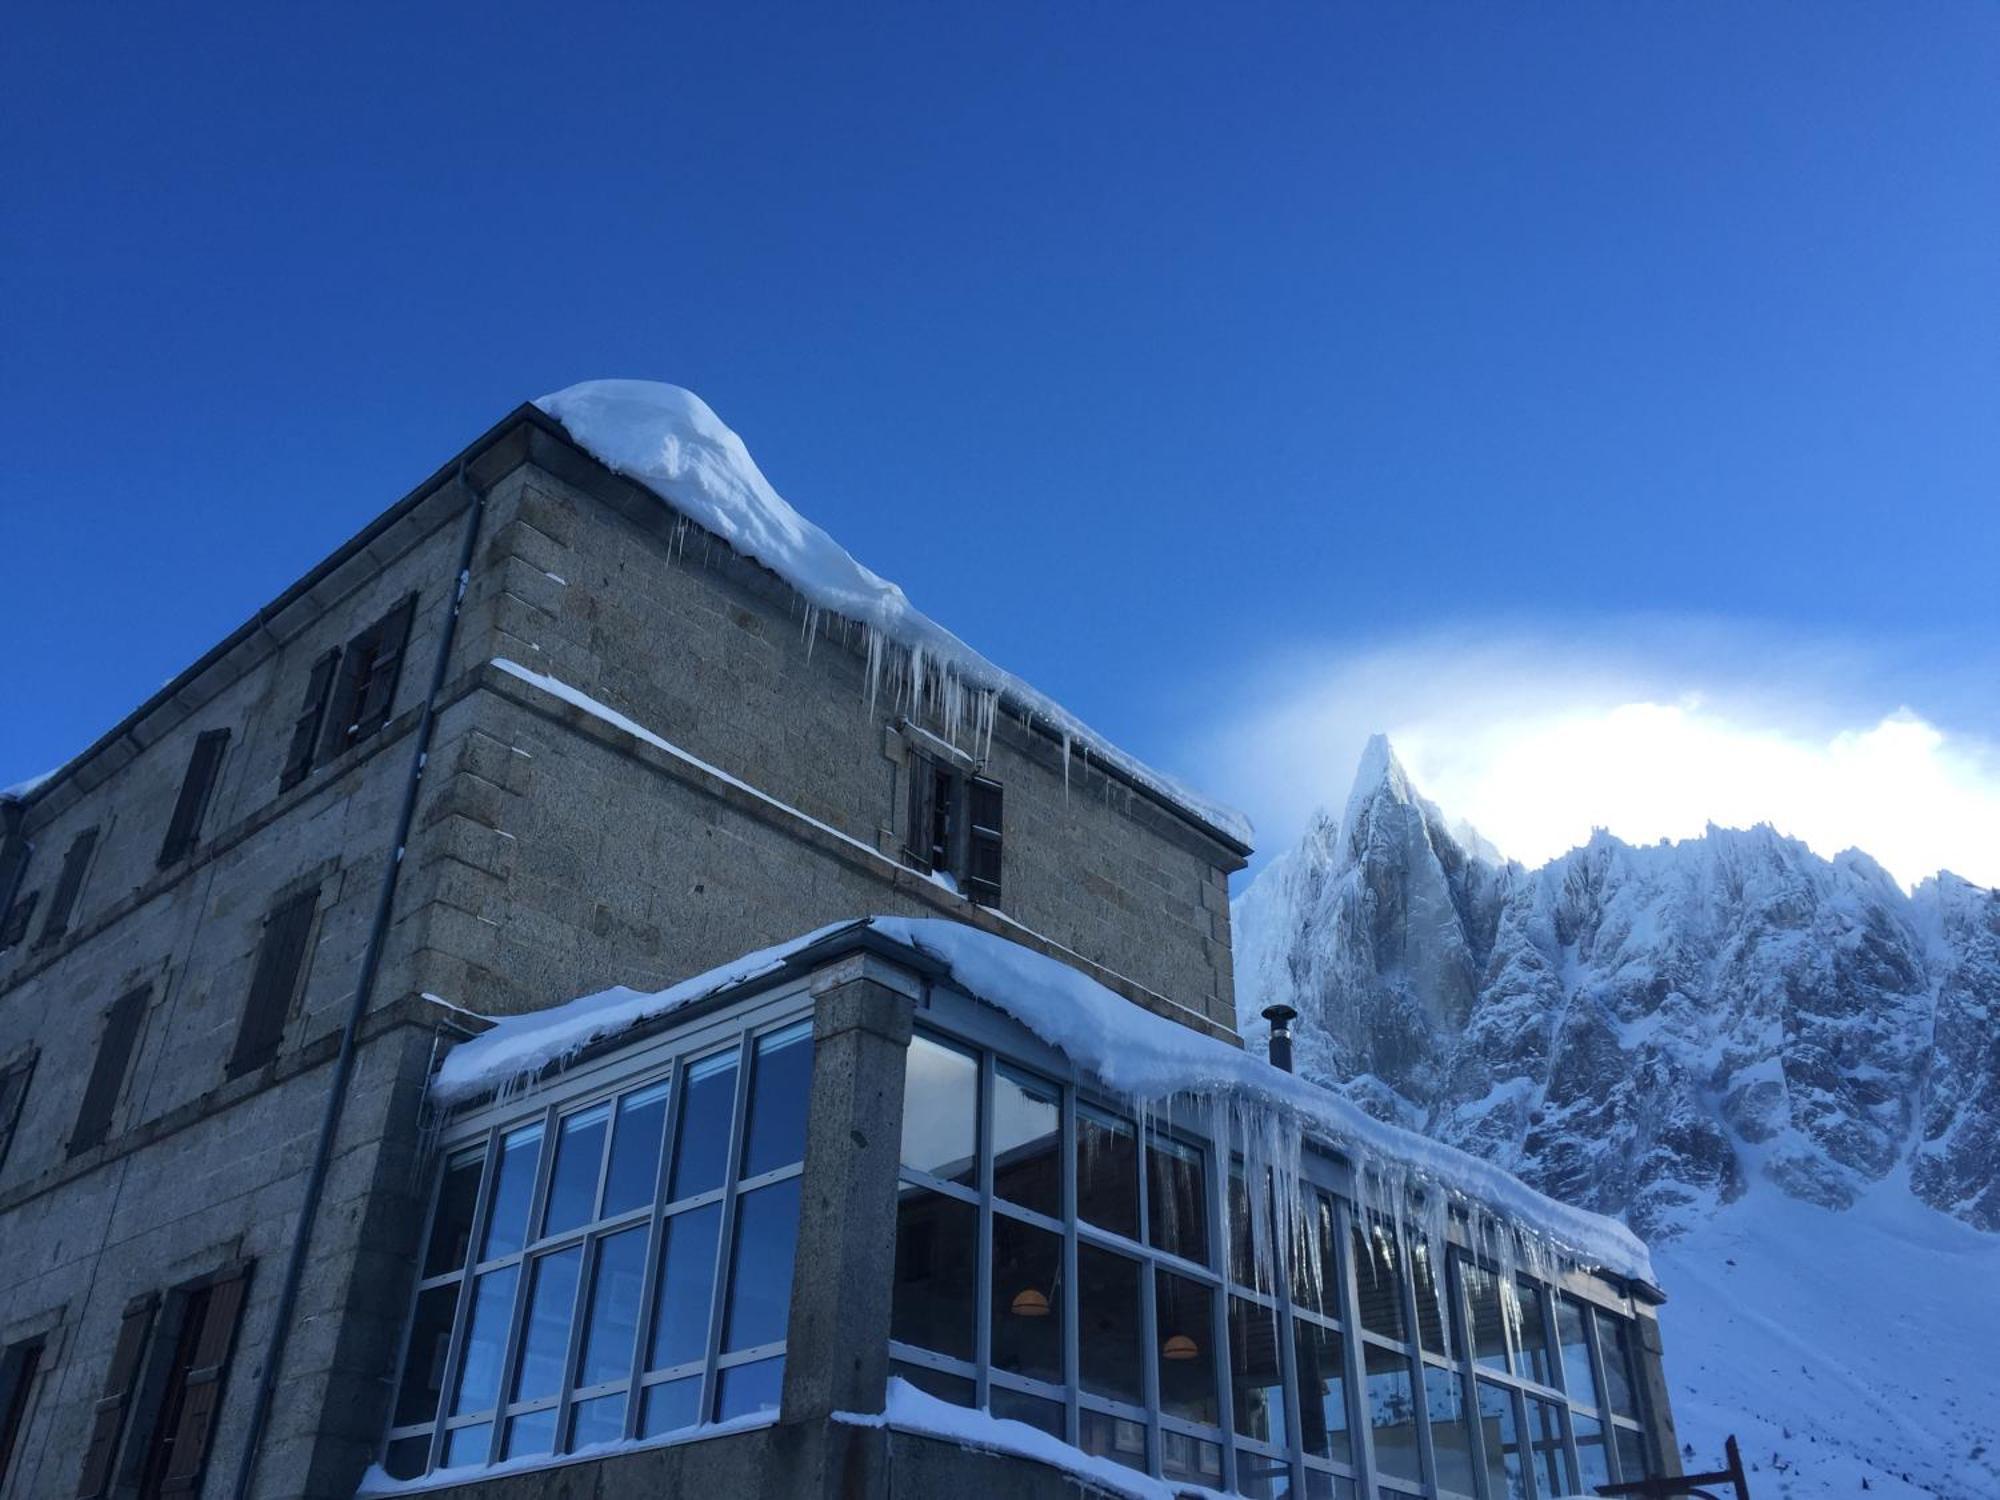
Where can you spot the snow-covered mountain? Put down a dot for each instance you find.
(1764, 1060)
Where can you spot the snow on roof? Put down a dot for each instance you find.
(20, 791)
(1145, 1058)
(668, 440)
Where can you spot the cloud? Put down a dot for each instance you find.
(1650, 728)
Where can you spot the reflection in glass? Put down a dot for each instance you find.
(1489, 1322)
(941, 1111)
(533, 1432)
(760, 1277)
(451, 1226)
(1184, 1318)
(1260, 1477)
(513, 1187)
(1190, 1458)
(635, 1150)
(1322, 1392)
(686, 1285)
(1112, 1437)
(1593, 1465)
(1019, 1406)
(1614, 1342)
(1506, 1463)
(468, 1445)
(670, 1406)
(1176, 1199)
(956, 1389)
(1428, 1296)
(1572, 1333)
(1107, 1172)
(1322, 1486)
(615, 1289)
(1110, 1334)
(701, 1143)
(573, 1179)
(485, 1340)
(1027, 1140)
(751, 1388)
(1545, 1435)
(937, 1266)
(1256, 1372)
(423, 1361)
(1631, 1452)
(599, 1420)
(545, 1338)
(1378, 1277)
(1242, 1234)
(780, 1087)
(1027, 1300)
(1451, 1439)
(1392, 1413)
(1533, 1333)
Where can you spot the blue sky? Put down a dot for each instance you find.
(1202, 364)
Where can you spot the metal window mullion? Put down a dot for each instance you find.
(982, 1264)
(467, 1285)
(1604, 1419)
(1072, 1362)
(586, 1286)
(725, 1238)
(1353, 1350)
(642, 1339)
(523, 1283)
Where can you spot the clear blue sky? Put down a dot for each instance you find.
(1132, 340)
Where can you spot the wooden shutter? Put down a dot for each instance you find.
(923, 788)
(15, 926)
(14, 852)
(13, 1094)
(982, 862)
(17, 1380)
(305, 729)
(108, 1420)
(184, 829)
(107, 1074)
(68, 885)
(280, 955)
(202, 1385)
(378, 692)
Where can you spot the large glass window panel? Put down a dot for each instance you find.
(598, 1420)
(1392, 1413)
(701, 1140)
(545, 1336)
(1572, 1332)
(1614, 1342)
(615, 1290)
(1019, 1406)
(1593, 1465)
(1111, 1437)
(1107, 1171)
(634, 1176)
(1546, 1443)
(451, 1225)
(1190, 1459)
(1378, 1278)
(1260, 1476)
(513, 1190)
(1324, 1486)
(1532, 1333)
(1489, 1320)
(1500, 1441)
(745, 1390)
(760, 1277)
(1027, 1140)
(1451, 1439)
(937, 1273)
(1322, 1367)
(1427, 1295)
(531, 1433)
(1110, 1336)
(1184, 1317)
(671, 1406)
(1027, 1300)
(941, 1111)
(423, 1361)
(485, 1340)
(573, 1179)
(1256, 1372)
(1315, 1271)
(686, 1287)
(1631, 1452)
(1176, 1199)
(468, 1445)
(780, 1090)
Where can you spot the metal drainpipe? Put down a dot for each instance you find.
(364, 988)
(1281, 1018)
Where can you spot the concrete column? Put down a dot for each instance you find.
(1655, 1402)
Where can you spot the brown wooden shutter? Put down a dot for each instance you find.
(14, 852)
(923, 787)
(184, 829)
(982, 872)
(202, 1388)
(14, 1084)
(68, 885)
(305, 729)
(280, 955)
(108, 1420)
(107, 1074)
(378, 693)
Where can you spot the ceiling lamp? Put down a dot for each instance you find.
(1180, 1346)
(1030, 1303)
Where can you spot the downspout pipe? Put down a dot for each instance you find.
(364, 990)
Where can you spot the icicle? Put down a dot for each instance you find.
(1066, 749)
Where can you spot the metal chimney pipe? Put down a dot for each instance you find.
(1281, 1018)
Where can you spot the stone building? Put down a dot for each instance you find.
(790, 1202)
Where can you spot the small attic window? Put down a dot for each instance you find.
(954, 826)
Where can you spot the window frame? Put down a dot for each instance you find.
(929, 772)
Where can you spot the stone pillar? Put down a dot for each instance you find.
(837, 1355)
(1655, 1401)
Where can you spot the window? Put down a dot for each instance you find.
(19, 1365)
(955, 827)
(184, 828)
(107, 1074)
(14, 852)
(281, 960)
(191, 1359)
(14, 1081)
(312, 715)
(107, 1423)
(69, 884)
(364, 688)
(14, 926)
(616, 1268)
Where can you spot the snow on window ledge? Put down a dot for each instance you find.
(377, 1482)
